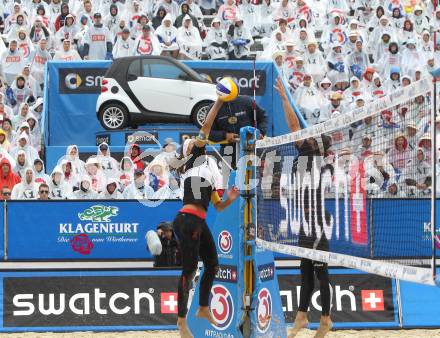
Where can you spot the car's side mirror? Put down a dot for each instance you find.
(132, 77)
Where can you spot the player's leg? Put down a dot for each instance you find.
(307, 286)
(208, 254)
(188, 232)
(325, 324)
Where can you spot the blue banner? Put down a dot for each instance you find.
(402, 228)
(62, 230)
(71, 109)
(420, 305)
(73, 89)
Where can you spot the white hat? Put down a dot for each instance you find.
(92, 160)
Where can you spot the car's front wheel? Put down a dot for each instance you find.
(113, 116)
(200, 112)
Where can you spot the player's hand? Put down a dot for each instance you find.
(280, 88)
(86, 57)
(233, 193)
(232, 138)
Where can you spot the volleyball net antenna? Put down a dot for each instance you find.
(357, 190)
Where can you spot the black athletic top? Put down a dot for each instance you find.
(198, 180)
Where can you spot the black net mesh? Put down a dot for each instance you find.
(359, 185)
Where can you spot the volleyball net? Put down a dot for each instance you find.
(357, 190)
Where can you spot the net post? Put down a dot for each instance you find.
(248, 136)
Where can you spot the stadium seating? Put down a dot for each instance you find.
(336, 55)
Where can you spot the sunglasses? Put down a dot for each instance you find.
(44, 191)
(6, 194)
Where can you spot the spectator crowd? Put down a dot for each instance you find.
(336, 55)
(136, 176)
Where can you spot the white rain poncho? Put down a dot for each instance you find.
(336, 63)
(27, 189)
(411, 58)
(315, 63)
(426, 46)
(356, 89)
(334, 32)
(415, 179)
(284, 10)
(77, 164)
(38, 62)
(249, 12)
(112, 19)
(309, 103)
(276, 43)
(420, 20)
(12, 62)
(126, 168)
(69, 55)
(31, 153)
(123, 47)
(96, 174)
(66, 32)
(20, 163)
(85, 191)
(376, 35)
(167, 34)
(227, 13)
(216, 41)
(170, 6)
(266, 24)
(138, 190)
(34, 130)
(97, 38)
(147, 45)
(109, 165)
(115, 195)
(392, 58)
(59, 188)
(240, 39)
(189, 40)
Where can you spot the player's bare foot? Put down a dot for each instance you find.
(301, 322)
(325, 325)
(205, 312)
(183, 328)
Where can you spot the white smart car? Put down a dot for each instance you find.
(152, 89)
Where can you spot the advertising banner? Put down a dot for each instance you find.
(71, 110)
(71, 83)
(356, 298)
(89, 300)
(62, 230)
(403, 232)
(141, 300)
(420, 304)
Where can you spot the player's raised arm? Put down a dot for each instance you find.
(291, 118)
(202, 138)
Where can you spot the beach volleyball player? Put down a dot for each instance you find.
(195, 238)
(309, 148)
